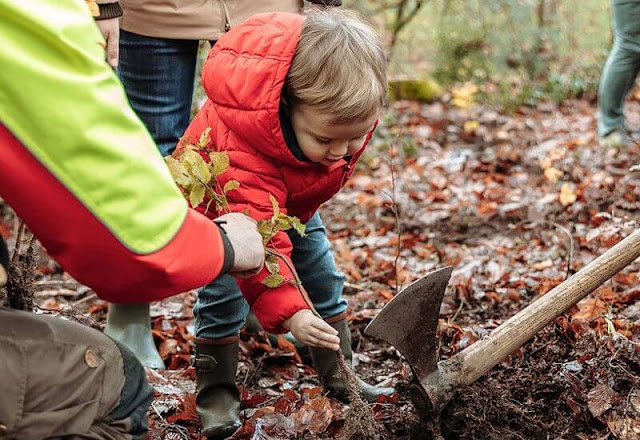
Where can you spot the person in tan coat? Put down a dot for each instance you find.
(158, 49)
(159, 43)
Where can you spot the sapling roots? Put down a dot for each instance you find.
(360, 423)
(20, 286)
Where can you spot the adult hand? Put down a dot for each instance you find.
(311, 330)
(110, 29)
(243, 234)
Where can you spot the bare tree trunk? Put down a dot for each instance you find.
(406, 10)
(541, 14)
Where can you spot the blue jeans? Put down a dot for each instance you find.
(158, 76)
(622, 66)
(221, 309)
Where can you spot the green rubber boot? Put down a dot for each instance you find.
(217, 396)
(130, 324)
(615, 140)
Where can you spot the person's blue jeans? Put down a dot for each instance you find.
(158, 76)
(622, 66)
(221, 309)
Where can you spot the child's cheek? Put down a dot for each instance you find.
(354, 147)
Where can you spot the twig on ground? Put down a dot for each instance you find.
(354, 286)
(394, 209)
(558, 226)
(89, 297)
(455, 315)
(251, 373)
(164, 425)
(16, 248)
(70, 313)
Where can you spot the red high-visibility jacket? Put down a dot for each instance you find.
(81, 170)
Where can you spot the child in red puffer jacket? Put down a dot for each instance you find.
(293, 100)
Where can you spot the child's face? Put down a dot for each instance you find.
(324, 142)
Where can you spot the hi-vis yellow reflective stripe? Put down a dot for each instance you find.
(59, 97)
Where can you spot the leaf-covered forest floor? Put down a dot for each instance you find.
(514, 202)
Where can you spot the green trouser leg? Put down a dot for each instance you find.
(64, 380)
(130, 324)
(621, 68)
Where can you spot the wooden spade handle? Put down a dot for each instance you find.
(481, 356)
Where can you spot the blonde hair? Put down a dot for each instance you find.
(339, 67)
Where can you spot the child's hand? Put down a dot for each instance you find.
(311, 330)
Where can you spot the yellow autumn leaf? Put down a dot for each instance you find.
(204, 138)
(230, 186)
(298, 226)
(177, 171)
(546, 162)
(553, 174)
(274, 280)
(272, 265)
(284, 224)
(464, 96)
(188, 158)
(276, 208)
(196, 195)
(219, 162)
(195, 166)
(266, 230)
(567, 194)
(470, 126)
(200, 170)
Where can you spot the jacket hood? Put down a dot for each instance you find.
(244, 75)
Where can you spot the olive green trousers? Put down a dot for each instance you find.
(61, 379)
(622, 66)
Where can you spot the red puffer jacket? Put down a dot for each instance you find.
(243, 77)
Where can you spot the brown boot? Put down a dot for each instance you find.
(217, 398)
(326, 364)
